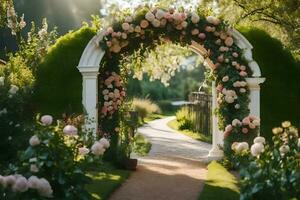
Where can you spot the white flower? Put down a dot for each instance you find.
(46, 120)
(177, 16)
(159, 14)
(236, 122)
(83, 151)
(9, 180)
(33, 182)
(259, 139)
(257, 148)
(241, 146)
(13, 89)
(98, 149)
(195, 18)
(256, 122)
(106, 91)
(156, 23)
(149, 16)
(70, 130)
(34, 141)
(237, 106)
(20, 185)
(128, 19)
(299, 142)
(44, 188)
(34, 168)
(286, 124)
(125, 26)
(225, 78)
(104, 142)
(284, 149)
(2, 81)
(229, 99)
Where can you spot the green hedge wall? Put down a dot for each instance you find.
(280, 94)
(59, 83)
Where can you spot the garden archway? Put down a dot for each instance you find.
(89, 66)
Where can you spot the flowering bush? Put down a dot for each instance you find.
(59, 156)
(270, 170)
(113, 94)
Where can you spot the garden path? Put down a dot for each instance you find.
(173, 169)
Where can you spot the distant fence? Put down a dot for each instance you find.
(199, 107)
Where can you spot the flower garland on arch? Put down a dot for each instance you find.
(225, 59)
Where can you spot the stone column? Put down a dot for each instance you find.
(90, 95)
(254, 87)
(217, 138)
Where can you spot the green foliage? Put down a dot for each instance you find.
(59, 83)
(144, 107)
(280, 94)
(183, 117)
(219, 184)
(275, 172)
(140, 145)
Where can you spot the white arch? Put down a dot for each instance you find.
(90, 63)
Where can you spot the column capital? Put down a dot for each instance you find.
(254, 83)
(89, 71)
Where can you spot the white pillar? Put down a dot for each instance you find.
(217, 137)
(90, 95)
(254, 87)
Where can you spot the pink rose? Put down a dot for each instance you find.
(245, 130)
(229, 41)
(70, 130)
(243, 73)
(228, 128)
(144, 23)
(235, 54)
(246, 121)
(202, 36)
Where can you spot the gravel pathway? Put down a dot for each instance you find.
(173, 170)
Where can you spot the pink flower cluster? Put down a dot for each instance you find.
(18, 183)
(245, 126)
(113, 94)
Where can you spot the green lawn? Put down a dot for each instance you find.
(197, 136)
(219, 184)
(106, 179)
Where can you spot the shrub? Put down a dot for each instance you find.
(270, 170)
(280, 94)
(60, 155)
(183, 116)
(59, 83)
(145, 107)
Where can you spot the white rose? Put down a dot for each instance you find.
(156, 23)
(104, 142)
(34, 168)
(177, 16)
(33, 182)
(242, 146)
(259, 139)
(70, 130)
(229, 99)
(83, 151)
(257, 149)
(44, 188)
(195, 18)
(237, 106)
(284, 149)
(149, 16)
(2, 81)
(20, 185)
(13, 89)
(98, 149)
(299, 142)
(236, 122)
(256, 122)
(34, 141)
(225, 78)
(47, 120)
(125, 26)
(210, 19)
(159, 14)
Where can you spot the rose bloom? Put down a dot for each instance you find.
(34, 141)
(13, 89)
(284, 149)
(225, 78)
(252, 126)
(156, 23)
(149, 16)
(104, 142)
(228, 41)
(20, 185)
(237, 106)
(195, 31)
(236, 122)
(98, 149)
(202, 36)
(242, 146)
(245, 130)
(160, 14)
(242, 90)
(195, 18)
(299, 142)
(125, 26)
(259, 139)
(257, 149)
(243, 73)
(286, 124)
(144, 23)
(34, 168)
(46, 120)
(228, 128)
(83, 151)
(70, 130)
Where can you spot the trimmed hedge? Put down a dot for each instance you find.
(59, 83)
(280, 94)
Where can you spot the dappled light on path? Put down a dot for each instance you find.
(172, 170)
